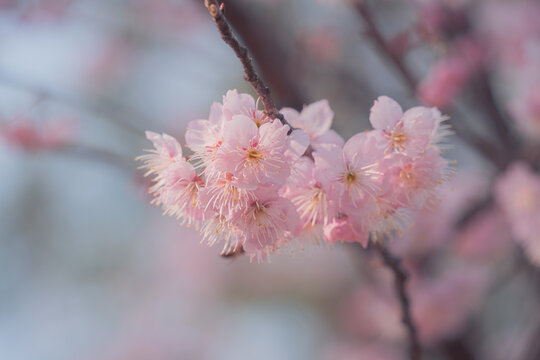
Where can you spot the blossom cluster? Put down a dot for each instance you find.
(255, 183)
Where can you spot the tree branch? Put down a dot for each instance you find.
(362, 10)
(394, 264)
(250, 75)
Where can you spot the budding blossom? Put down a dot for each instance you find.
(248, 186)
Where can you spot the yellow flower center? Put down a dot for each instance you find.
(254, 154)
(350, 177)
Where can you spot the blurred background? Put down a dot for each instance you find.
(90, 270)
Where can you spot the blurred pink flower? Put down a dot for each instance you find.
(508, 28)
(443, 83)
(373, 314)
(517, 192)
(25, 133)
(525, 109)
(487, 237)
(322, 44)
(434, 227)
(448, 76)
(442, 306)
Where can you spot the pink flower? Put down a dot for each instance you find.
(415, 180)
(316, 120)
(254, 155)
(235, 103)
(218, 228)
(311, 198)
(204, 137)
(177, 185)
(408, 133)
(178, 191)
(353, 170)
(268, 222)
(167, 150)
(223, 195)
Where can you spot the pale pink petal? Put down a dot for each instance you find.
(328, 164)
(385, 113)
(419, 125)
(216, 116)
(235, 103)
(298, 143)
(165, 144)
(292, 116)
(330, 137)
(317, 118)
(197, 135)
(239, 131)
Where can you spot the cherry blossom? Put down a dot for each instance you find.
(250, 185)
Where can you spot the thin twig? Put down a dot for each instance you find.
(97, 154)
(109, 110)
(242, 53)
(394, 264)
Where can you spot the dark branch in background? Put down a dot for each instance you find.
(373, 31)
(97, 154)
(113, 112)
(457, 349)
(270, 56)
(242, 53)
(496, 116)
(394, 264)
(533, 352)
